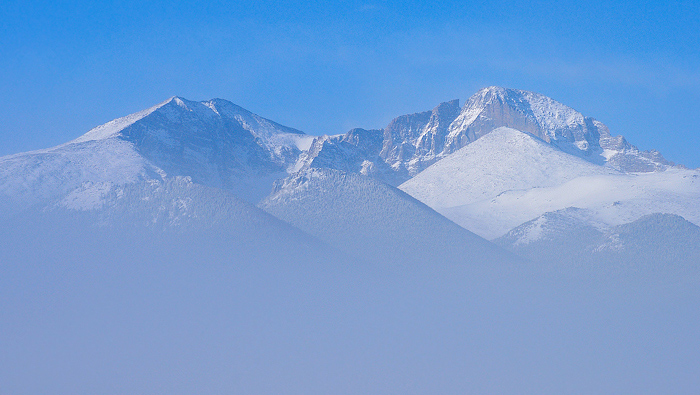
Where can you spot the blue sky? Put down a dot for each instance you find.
(66, 67)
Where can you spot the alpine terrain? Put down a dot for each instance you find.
(509, 245)
(505, 158)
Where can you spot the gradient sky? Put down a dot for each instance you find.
(66, 67)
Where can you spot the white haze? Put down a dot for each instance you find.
(102, 311)
(132, 262)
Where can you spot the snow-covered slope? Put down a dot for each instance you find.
(178, 118)
(171, 209)
(508, 177)
(216, 143)
(615, 199)
(175, 205)
(373, 220)
(84, 170)
(505, 159)
(574, 235)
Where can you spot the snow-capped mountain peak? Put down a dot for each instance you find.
(213, 112)
(519, 145)
(411, 143)
(112, 128)
(529, 112)
(216, 143)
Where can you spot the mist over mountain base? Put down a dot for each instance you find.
(196, 247)
(94, 310)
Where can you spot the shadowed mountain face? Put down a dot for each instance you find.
(216, 143)
(375, 221)
(414, 142)
(529, 112)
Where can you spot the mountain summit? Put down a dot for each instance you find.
(551, 121)
(411, 143)
(215, 143)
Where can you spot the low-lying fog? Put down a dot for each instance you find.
(85, 309)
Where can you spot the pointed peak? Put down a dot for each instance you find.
(517, 98)
(112, 128)
(183, 103)
(493, 90)
(180, 101)
(501, 92)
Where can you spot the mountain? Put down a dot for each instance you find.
(173, 205)
(394, 154)
(411, 143)
(172, 218)
(130, 262)
(508, 177)
(654, 240)
(551, 121)
(357, 151)
(374, 220)
(183, 166)
(487, 166)
(485, 177)
(180, 167)
(216, 143)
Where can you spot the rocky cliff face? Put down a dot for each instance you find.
(411, 143)
(414, 142)
(529, 112)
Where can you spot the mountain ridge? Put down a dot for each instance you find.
(218, 144)
(413, 142)
(375, 221)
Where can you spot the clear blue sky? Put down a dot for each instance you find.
(66, 67)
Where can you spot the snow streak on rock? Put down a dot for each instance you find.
(411, 143)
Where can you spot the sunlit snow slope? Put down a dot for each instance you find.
(508, 177)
